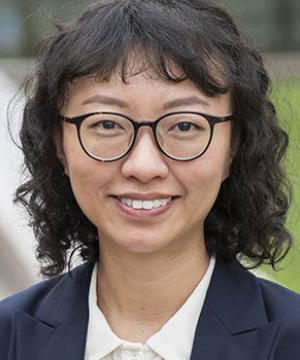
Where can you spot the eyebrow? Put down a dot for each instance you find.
(108, 100)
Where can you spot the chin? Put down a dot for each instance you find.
(139, 248)
(141, 245)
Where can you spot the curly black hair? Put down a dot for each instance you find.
(247, 221)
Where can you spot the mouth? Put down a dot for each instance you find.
(145, 208)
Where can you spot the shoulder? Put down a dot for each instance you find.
(38, 298)
(283, 305)
(27, 300)
(263, 304)
(239, 297)
(279, 301)
(30, 299)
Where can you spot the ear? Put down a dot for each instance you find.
(60, 153)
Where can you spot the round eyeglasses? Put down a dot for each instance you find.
(109, 136)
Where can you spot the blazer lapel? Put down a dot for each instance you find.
(58, 328)
(233, 324)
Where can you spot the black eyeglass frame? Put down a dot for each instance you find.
(212, 120)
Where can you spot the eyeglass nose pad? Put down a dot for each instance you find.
(139, 125)
(136, 132)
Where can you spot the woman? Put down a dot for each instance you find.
(154, 149)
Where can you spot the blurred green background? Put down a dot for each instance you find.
(286, 95)
(272, 26)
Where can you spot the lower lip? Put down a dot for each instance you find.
(144, 214)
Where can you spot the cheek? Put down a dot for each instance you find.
(203, 182)
(84, 172)
(89, 180)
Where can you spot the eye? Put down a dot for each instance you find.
(107, 124)
(185, 126)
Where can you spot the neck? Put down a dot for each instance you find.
(145, 290)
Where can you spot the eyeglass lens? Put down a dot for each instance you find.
(107, 136)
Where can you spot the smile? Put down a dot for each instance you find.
(144, 209)
(145, 204)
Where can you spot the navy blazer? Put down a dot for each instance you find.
(243, 318)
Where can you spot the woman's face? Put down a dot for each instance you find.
(145, 173)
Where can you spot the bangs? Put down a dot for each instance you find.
(165, 64)
(130, 37)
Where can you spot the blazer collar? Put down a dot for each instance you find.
(58, 328)
(233, 324)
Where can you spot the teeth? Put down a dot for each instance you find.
(146, 204)
(137, 204)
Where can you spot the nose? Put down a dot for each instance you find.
(145, 161)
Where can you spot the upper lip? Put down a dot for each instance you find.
(145, 196)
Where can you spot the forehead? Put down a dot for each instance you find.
(141, 91)
(139, 84)
(136, 86)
